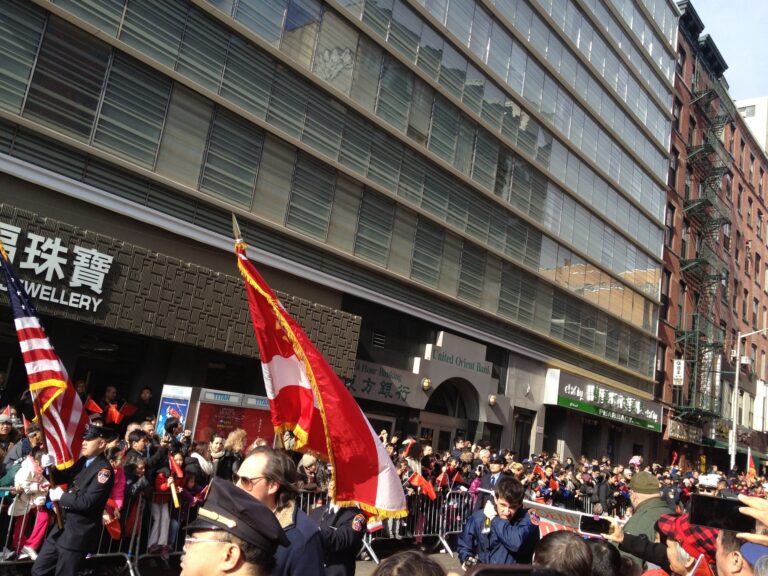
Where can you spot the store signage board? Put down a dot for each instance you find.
(600, 400)
(51, 271)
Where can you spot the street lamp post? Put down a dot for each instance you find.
(735, 397)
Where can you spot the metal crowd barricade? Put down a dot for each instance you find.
(440, 518)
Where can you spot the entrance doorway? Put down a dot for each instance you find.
(449, 410)
(523, 425)
(591, 433)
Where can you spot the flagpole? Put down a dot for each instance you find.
(39, 412)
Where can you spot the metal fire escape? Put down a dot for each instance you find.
(698, 337)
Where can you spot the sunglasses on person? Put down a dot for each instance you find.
(246, 482)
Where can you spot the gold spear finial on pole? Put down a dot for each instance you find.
(236, 230)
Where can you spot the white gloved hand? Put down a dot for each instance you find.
(490, 510)
(47, 460)
(55, 494)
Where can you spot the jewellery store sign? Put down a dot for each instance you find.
(601, 400)
(66, 275)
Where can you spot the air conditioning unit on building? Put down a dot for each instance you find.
(733, 355)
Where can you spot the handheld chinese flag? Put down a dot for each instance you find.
(7, 411)
(418, 481)
(113, 415)
(92, 407)
(128, 410)
(442, 479)
(26, 424)
(177, 474)
(57, 405)
(308, 399)
(751, 468)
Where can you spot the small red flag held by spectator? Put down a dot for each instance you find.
(418, 481)
(91, 406)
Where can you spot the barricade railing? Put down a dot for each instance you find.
(440, 518)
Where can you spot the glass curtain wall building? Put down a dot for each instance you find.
(500, 163)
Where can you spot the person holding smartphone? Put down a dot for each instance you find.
(501, 532)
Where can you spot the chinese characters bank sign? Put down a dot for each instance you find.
(385, 384)
(51, 271)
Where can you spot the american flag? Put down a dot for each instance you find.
(59, 409)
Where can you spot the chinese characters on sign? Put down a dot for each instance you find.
(382, 383)
(609, 403)
(57, 269)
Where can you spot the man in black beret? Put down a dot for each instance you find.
(90, 482)
(233, 534)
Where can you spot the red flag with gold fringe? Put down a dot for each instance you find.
(309, 400)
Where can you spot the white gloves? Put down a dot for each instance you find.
(490, 510)
(55, 494)
(47, 460)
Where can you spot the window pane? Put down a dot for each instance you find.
(486, 159)
(405, 31)
(453, 69)
(309, 211)
(335, 54)
(374, 228)
(377, 14)
(21, 25)
(445, 129)
(421, 111)
(367, 70)
(395, 93)
(264, 17)
(288, 103)
(472, 273)
(68, 79)
(356, 144)
(203, 50)
(232, 160)
(324, 124)
(386, 155)
(430, 52)
(155, 28)
(133, 111)
(184, 136)
(301, 25)
(427, 252)
(104, 14)
(248, 77)
(459, 20)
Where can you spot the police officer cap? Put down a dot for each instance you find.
(496, 459)
(93, 432)
(233, 510)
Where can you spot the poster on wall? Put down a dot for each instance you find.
(221, 413)
(217, 419)
(174, 402)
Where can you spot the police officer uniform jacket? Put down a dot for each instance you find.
(83, 503)
(499, 541)
(342, 532)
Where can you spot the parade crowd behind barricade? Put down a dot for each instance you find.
(143, 515)
(588, 484)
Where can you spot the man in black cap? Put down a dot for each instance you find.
(90, 483)
(489, 479)
(233, 534)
